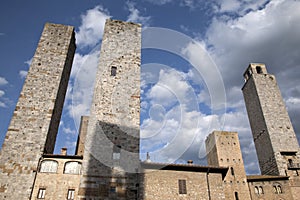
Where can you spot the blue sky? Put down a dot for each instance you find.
(181, 104)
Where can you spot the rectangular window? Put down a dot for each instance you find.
(182, 186)
(41, 193)
(113, 189)
(113, 71)
(71, 193)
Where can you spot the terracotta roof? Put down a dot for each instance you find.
(265, 177)
(184, 167)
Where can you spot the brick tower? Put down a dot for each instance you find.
(33, 127)
(111, 155)
(223, 150)
(274, 137)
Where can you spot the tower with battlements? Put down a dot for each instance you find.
(33, 127)
(274, 137)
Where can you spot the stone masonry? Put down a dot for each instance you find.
(274, 137)
(223, 150)
(111, 155)
(33, 128)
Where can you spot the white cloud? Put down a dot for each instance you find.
(269, 33)
(92, 27)
(2, 93)
(22, 74)
(28, 62)
(80, 90)
(3, 81)
(159, 2)
(2, 105)
(68, 130)
(135, 16)
(239, 7)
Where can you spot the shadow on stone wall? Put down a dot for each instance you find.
(111, 165)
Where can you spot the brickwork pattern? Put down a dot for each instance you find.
(33, 127)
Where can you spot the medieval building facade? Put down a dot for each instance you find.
(106, 163)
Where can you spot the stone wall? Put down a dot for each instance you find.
(111, 153)
(272, 129)
(224, 151)
(33, 127)
(163, 184)
(57, 184)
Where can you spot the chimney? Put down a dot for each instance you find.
(190, 162)
(63, 151)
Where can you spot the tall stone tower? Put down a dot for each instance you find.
(33, 127)
(111, 155)
(274, 137)
(223, 150)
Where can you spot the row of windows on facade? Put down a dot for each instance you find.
(52, 165)
(42, 194)
(276, 189)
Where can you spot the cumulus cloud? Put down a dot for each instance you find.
(91, 29)
(22, 74)
(264, 32)
(80, 89)
(3, 81)
(135, 15)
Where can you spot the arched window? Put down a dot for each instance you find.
(277, 189)
(72, 168)
(256, 190)
(49, 166)
(260, 190)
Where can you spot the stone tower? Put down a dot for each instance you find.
(274, 137)
(223, 150)
(111, 155)
(33, 127)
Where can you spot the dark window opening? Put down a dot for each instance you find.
(258, 70)
(113, 71)
(232, 171)
(113, 189)
(236, 195)
(182, 186)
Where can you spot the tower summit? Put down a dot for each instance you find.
(33, 127)
(274, 137)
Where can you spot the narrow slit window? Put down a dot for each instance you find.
(182, 186)
(113, 71)
(232, 171)
(236, 195)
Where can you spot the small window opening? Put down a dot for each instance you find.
(113, 189)
(232, 171)
(260, 190)
(258, 70)
(182, 186)
(236, 195)
(71, 193)
(113, 71)
(41, 193)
